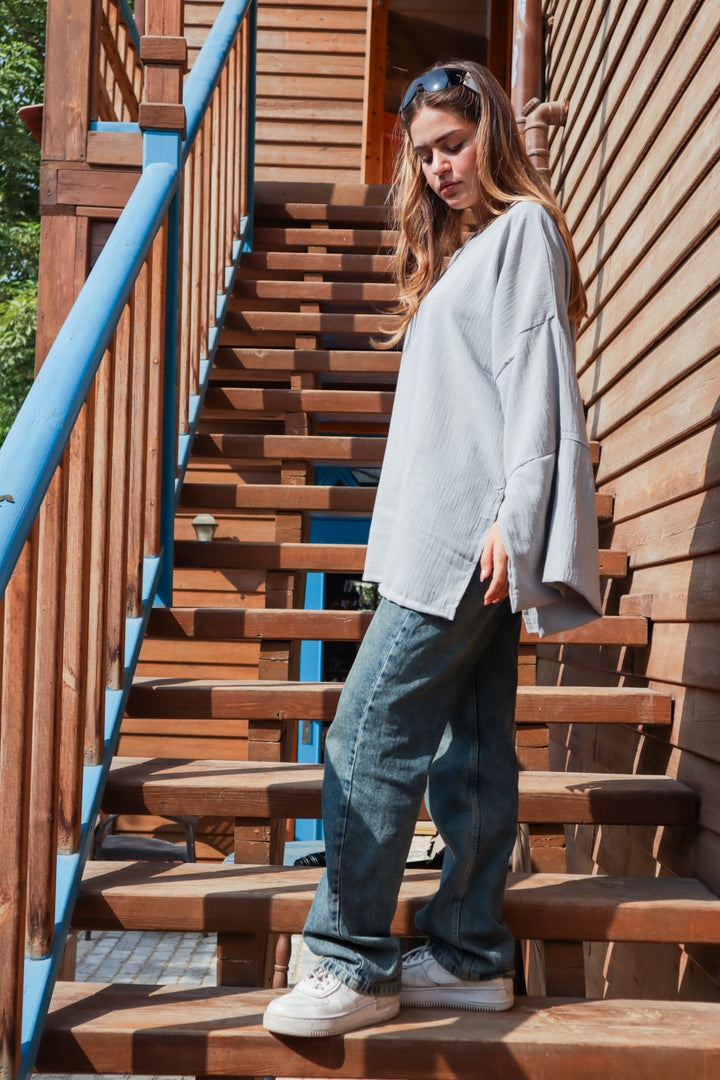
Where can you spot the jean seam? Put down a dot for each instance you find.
(360, 732)
(476, 823)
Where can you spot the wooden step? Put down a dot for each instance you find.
(352, 449)
(231, 363)
(217, 897)
(341, 193)
(264, 699)
(299, 624)
(275, 237)
(307, 322)
(358, 402)
(332, 558)
(302, 497)
(284, 789)
(368, 215)
(344, 292)
(212, 1031)
(348, 262)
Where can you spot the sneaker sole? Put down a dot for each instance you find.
(474, 1000)
(313, 1028)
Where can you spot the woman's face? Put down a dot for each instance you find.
(445, 145)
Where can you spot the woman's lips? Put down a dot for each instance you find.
(446, 189)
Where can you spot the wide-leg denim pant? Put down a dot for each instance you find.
(429, 701)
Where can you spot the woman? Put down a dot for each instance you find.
(485, 508)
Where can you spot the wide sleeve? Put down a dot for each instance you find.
(547, 518)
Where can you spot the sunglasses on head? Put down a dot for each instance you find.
(438, 79)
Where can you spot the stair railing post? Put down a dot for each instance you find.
(250, 148)
(163, 50)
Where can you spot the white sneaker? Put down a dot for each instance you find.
(426, 982)
(321, 1005)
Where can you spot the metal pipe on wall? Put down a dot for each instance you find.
(526, 74)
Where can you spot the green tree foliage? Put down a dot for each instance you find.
(22, 52)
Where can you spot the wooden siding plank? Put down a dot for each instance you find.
(644, 91)
(690, 466)
(688, 286)
(688, 406)
(687, 347)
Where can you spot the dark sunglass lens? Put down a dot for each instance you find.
(439, 79)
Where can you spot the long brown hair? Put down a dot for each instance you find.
(428, 229)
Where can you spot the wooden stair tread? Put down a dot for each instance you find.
(217, 897)
(287, 624)
(260, 699)
(215, 1031)
(354, 448)
(337, 291)
(319, 262)
(231, 363)
(290, 210)
(285, 789)
(301, 497)
(276, 236)
(244, 555)
(312, 401)
(308, 322)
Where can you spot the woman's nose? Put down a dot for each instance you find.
(440, 162)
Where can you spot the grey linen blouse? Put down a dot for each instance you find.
(488, 425)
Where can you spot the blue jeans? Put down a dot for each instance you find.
(429, 701)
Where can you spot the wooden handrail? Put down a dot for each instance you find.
(92, 467)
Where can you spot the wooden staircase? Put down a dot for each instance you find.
(297, 384)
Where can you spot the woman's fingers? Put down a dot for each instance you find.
(494, 561)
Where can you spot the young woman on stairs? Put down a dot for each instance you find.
(485, 508)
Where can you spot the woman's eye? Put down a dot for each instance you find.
(454, 149)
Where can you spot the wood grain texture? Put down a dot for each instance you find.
(277, 899)
(318, 701)
(252, 789)
(218, 1032)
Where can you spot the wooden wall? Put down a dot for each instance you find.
(637, 171)
(310, 79)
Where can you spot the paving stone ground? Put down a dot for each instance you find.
(160, 958)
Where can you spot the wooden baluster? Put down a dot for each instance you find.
(214, 137)
(232, 149)
(138, 440)
(156, 333)
(205, 233)
(75, 651)
(244, 118)
(196, 318)
(100, 415)
(42, 840)
(117, 528)
(222, 177)
(15, 754)
(186, 385)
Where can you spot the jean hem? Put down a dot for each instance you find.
(466, 971)
(390, 988)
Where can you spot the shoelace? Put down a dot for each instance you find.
(417, 956)
(319, 977)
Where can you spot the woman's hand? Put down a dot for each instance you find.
(494, 561)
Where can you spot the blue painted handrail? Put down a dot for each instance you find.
(37, 440)
(129, 18)
(35, 443)
(206, 70)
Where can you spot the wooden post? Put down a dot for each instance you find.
(374, 99)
